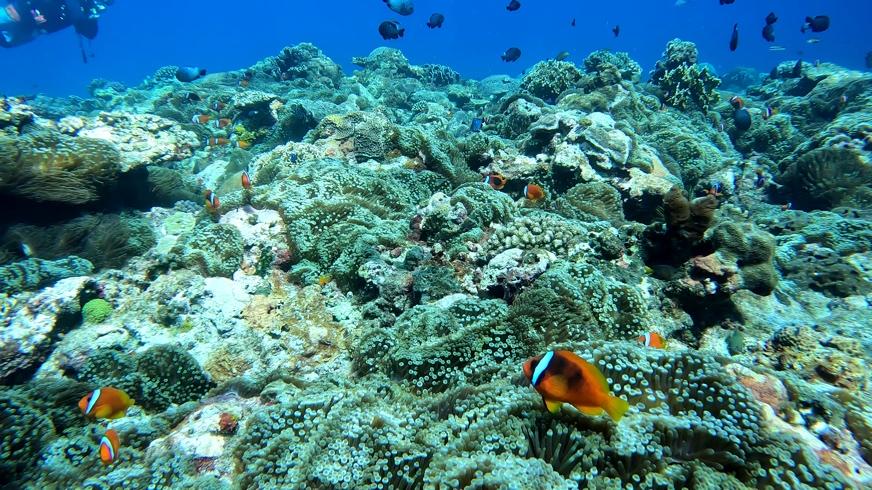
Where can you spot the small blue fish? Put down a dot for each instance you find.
(293, 158)
(477, 125)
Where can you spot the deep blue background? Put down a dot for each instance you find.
(139, 36)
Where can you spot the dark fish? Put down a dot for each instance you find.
(513, 5)
(390, 29)
(742, 119)
(796, 72)
(189, 73)
(818, 23)
(562, 55)
(573, 22)
(771, 18)
(734, 39)
(435, 21)
(402, 7)
(869, 59)
(193, 97)
(476, 125)
(616, 30)
(769, 33)
(727, 2)
(511, 54)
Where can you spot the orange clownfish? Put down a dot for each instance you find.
(533, 192)
(109, 445)
(737, 102)
(652, 339)
(105, 403)
(212, 202)
(217, 141)
(769, 112)
(223, 122)
(201, 118)
(246, 180)
(217, 106)
(562, 377)
(496, 181)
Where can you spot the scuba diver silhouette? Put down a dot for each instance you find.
(22, 21)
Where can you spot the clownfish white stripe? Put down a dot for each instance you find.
(541, 367)
(92, 401)
(105, 442)
(648, 339)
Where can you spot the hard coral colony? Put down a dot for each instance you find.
(574, 279)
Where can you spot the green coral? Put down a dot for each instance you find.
(24, 431)
(170, 375)
(537, 230)
(96, 311)
(575, 301)
(35, 273)
(602, 60)
(690, 87)
(337, 215)
(686, 85)
(550, 78)
(751, 250)
(213, 249)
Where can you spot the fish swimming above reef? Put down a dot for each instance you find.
(513, 5)
(737, 102)
(616, 30)
(727, 2)
(435, 21)
(511, 55)
(496, 181)
(189, 73)
(562, 377)
(769, 33)
(201, 118)
(105, 403)
(652, 339)
(771, 18)
(562, 55)
(245, 180)
(534, 192)
(390, 29)
(742, 119)
(402, 7)
(109, 445)
(796, 71)
(212, 202)
(818, 23)
(734, 38)
(476, 125)
(869, 59)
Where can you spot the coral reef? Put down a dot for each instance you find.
(686, 85)
(353, 305)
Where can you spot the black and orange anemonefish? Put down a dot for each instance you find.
(561, 377)
(109, 444)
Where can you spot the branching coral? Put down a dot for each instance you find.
(686, 85)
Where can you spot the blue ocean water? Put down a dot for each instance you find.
(137, 37)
